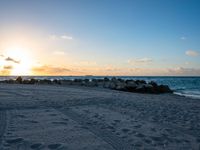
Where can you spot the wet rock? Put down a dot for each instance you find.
(56, 81)
(164, 89)
(154, 84)
(120, 86)
(25, 81)
(140, 82)
(106, 84)
(106, 79)
(45, 81)
(140, 88)
(112, 85)
(19, 80)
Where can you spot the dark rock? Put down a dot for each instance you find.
(86, 80)
(164, 89)
(120, 86)
(66, 82)
(33, 81)
(112, 85)
(114, 79)
(56, 81)
(140, 88)
(25, 81)
(91, 83)
(131, 84)
(45, 81)
(77, 80)
(19, 80)
(153, 83)
(106, 79)
(106, 84)
(140, 82)
(10, 81)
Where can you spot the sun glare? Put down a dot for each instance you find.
(21, 61)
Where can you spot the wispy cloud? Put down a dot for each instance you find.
(184, 71)
(192, 53)
(60, 37)
(5, 72)
(65, 37)
(144, 60)
(59, 53)
(87, 63)
(50, 70)
(8, 67)
(183, 38)
(12, 60)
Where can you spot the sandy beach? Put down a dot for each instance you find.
(92, 118)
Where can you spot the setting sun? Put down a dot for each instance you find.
(21, 61)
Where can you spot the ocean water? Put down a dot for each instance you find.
(185, 86)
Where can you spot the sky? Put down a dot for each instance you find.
(100, 37)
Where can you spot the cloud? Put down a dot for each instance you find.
(144, 60)
(1, 55)
(53, 37)
(87, 63)
(8, 67)
(5, 72)
(59, 53)
(65, 37)
(140, 61)
(60, 37)
(50, 70)
(12, 60)
(192, 53)
(183, 38)
(184, 71)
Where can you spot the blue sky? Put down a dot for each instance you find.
(107, 37)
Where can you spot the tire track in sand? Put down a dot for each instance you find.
(116, 142)
(2, 126)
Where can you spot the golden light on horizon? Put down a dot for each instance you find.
(21, 61)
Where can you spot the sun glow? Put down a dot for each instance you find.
(20, 60)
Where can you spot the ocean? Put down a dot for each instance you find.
(185, 86)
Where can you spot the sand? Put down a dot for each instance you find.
(85, 118)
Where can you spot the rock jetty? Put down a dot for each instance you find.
(138, 86)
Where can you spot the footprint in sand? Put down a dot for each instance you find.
(54, 146)
(157, 138)
(32, 121)
(148, 141)
(140, 135)
(137, 126)
(65, 119)
(125, 130)
(59, 123)
(20, 116)
(117, 121)
(52, 114)
(14, 141)
(37, 146)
